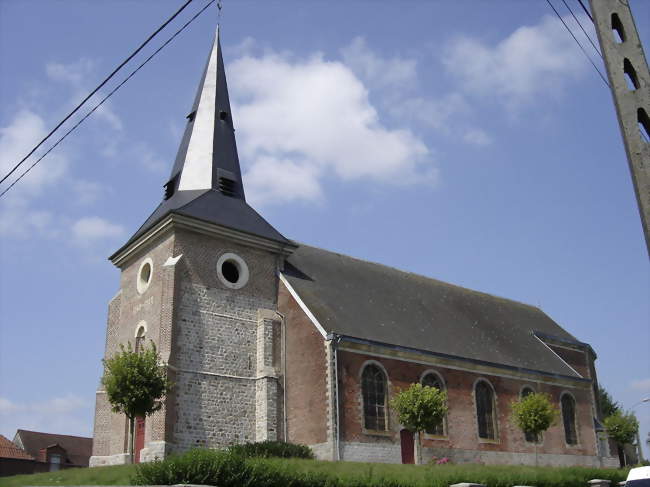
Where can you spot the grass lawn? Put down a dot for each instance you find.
(118, 475)
(407, 475)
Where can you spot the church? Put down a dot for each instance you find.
(265, 338)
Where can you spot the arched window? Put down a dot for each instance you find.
(485, 411)
(530, 437)
(569, 419)
(139, 339)
(433, 380)
(373, 389)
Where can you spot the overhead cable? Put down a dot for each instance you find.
(109, 95)
(96, 89)
(582, 28)
(586, 11)
(578, 42)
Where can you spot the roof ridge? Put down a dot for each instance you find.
(526, 305)
(55, 434)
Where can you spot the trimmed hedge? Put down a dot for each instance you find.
(269, 449)
(227, 469)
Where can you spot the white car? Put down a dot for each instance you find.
(638, 477)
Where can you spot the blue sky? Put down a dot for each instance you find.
(467, 141)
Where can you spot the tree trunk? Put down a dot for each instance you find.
(536, 462)
(131, 439)
(418, 448)
(621, 455)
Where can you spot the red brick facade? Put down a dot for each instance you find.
(461, 430)
(306, 375)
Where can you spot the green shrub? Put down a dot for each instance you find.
(268, 449)
(194, 467)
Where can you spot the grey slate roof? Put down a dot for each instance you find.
(374, 302)
(213, 207)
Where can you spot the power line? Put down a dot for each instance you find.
(586, 11)
(96, 89)
(109, 95)
(578, 42)
(582, 28)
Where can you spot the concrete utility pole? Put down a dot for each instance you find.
(629, 81)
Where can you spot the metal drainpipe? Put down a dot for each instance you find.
(336, 395)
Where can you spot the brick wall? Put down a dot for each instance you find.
(306, 375)
(462, 430)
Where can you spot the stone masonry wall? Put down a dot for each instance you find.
(461, 426)
(215, 344)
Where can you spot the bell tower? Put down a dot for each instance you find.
(200, 279)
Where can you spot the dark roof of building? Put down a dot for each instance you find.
(213, 207)
(78, 448)
(370, 301)
(9, 450)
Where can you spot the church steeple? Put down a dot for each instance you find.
(206, 183)
(207, 157)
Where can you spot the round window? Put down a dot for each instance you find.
(144, 275)
(232, 271)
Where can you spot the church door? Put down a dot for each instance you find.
(139, 437)
(406, 439)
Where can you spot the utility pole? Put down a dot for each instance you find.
(629, 81)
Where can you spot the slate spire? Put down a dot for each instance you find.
(207, 157)
(205, 182)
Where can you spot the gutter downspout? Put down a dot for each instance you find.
(335, 343)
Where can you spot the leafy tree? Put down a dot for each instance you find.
(607, 405)
(420, 408)
(534, 414)
(135, 383)
(621, 427)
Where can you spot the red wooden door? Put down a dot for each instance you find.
(407, 444)
(139, 437)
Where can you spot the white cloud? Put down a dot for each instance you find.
(393, 82)
(142, 154)
(16, 140)
(74, 73)
(642, 385)
(18, 217)
(80, 76)
(315, 117)
(531, 60)
(434, 113)
(272, 180)
(87, 192)
(64, 415)
(91, 229)
(395, 73)
(477, 137)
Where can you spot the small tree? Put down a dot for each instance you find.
(420, 408)
(621, 427)
(607, 404)
(534, 414)
(135, 383)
